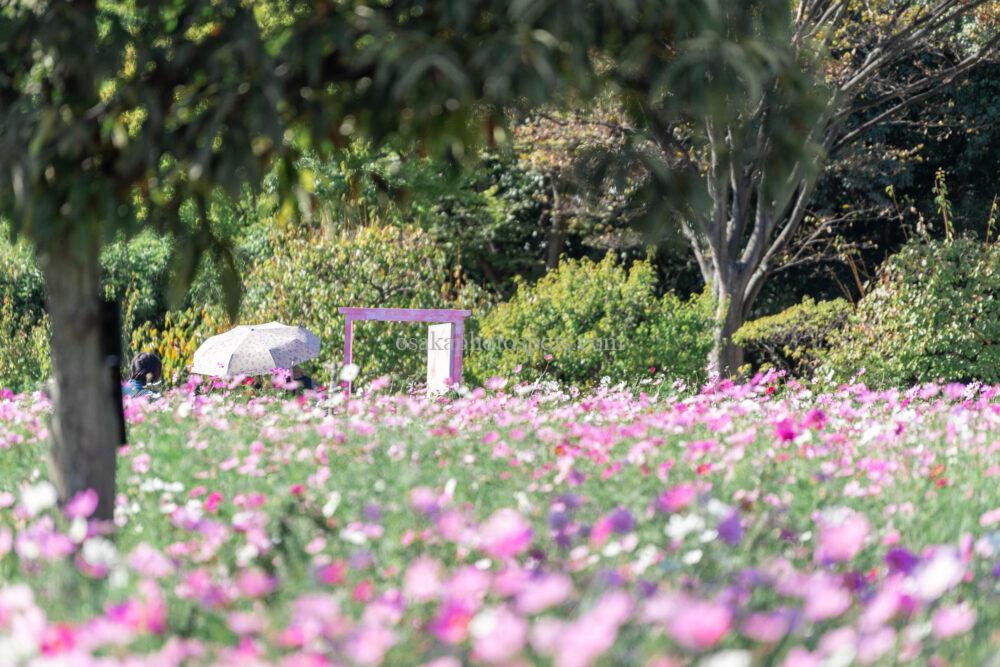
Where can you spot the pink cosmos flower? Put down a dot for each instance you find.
(140, 463)
(545, 592)
(422, 581)
(825, 598)
(842, 536)
(451, 624)
(148, 561)
(213, 501)
(802, 657)
(954, 620)
(786, 429)
(505, 534)
(874, 645)
(369, 645)
(499, 636)
(677, 498)
(254, 583)
(582, 642)
(82, 505)
(767, 628)
(333, 573)
(700, 625)
(58, 638)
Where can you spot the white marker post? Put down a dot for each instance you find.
(439, 358)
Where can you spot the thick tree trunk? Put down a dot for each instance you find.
(726, 357)
(85, 421)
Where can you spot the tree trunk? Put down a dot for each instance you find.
(85, 427)
(556, 243)
(726, 357)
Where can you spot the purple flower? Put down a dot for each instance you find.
(731, 529)
(901, 560)
(622, 521)
(558, 521)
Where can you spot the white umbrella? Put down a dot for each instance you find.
(254, 350)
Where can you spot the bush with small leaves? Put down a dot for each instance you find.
(311, 274)
(933, 314)
(587, 320)
(24, 348)
(795, 338)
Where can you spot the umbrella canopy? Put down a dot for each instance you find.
(254, 350)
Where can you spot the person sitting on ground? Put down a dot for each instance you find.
(146, 370)
(305, 383)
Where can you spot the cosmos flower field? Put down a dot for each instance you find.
(765, 523)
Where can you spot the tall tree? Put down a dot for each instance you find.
(861, 66)
(120, 114)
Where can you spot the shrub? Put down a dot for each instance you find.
(21, 280)
(310, 275)
(587, 320)
(24, 348)
(795, 338)
(933, 314)
(177, 339)
(136, 272)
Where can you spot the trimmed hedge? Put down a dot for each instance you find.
(796, 338)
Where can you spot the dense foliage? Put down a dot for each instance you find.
(796, 338)
(311, 274)
(588, 320)
(932, 314)
(24, 348)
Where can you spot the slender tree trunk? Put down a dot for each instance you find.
(726, 357)
(85, 427)
(557, 243)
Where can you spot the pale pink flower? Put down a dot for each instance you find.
(938, 574)
(700, 625)
(499, 635)
(767, 628)
(547, 591)
(801, 657)
(150, 562)
(505, 534)
(954, 620)
(842, 535)
(254, 583)
(593, 634)
(825, 598)
(422, 581)
(872, 646)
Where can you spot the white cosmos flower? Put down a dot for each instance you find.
(942, 572)
(98, 552)
(39, 497)
(731, 658)
(330, 508)
(680, 526)
(349, 373)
